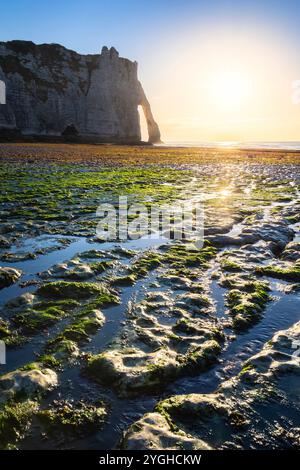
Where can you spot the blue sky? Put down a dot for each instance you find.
(131, 25)
(156, 33)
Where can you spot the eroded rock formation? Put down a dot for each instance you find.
(55, 92)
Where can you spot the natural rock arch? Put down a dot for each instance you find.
(154, 136)
(84, 97)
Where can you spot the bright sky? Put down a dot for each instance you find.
(212, 70)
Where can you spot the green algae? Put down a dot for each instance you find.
(127, 280)
(10, 337)
(85, 323)
(73, 290)
(46, 313)
(247, 303)
(180, 257)
(229, 265)
(73, 417)
(79, 330)
(291, 273)
(153, 374)
(49, 361)
(31, 320)
(92, 254)
(61, 348)
(183, 256)
(65, 304)
(15, 419)
(51, 192)
(100, 266)
(146, 263)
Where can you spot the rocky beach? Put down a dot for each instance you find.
(148, 344)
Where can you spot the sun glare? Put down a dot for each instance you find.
(225, 192)
(224, 84)
(230, 89)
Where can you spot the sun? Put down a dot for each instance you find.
(231, 89)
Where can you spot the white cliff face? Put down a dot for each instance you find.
(52, 91)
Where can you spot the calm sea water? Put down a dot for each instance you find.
(295, 145)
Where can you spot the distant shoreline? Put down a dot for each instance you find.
(288, 146)
(227, 149)
(108, 155)
(276, 147)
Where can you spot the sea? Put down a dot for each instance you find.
(285, 145)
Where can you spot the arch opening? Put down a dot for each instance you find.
(143, 124)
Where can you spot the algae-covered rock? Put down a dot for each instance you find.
(145, 263)
(278, 232)
(77, 270)
(21, 301)
(27, 383)
(194, 302)
(15, 420)
(247, 301)
(4, 243)
(162, 339)
(62, 349)
(73, 290)
(35, 320)
(69, 417)
(153, 432)
(78, 303)
(135, 372)
(84, 325)
(9, 276)
(7, 334)
(126, 280)
(287, 272)
(175, 281)
(291, 252)
(246, 411)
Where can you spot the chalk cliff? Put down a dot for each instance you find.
(54, 92)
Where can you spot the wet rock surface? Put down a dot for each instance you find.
(8, 276)
(257, 409)
(27, 382)
(277, 232)
(174, 344)
(154, 432)
(291, 252)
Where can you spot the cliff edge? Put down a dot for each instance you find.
(54, 92)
